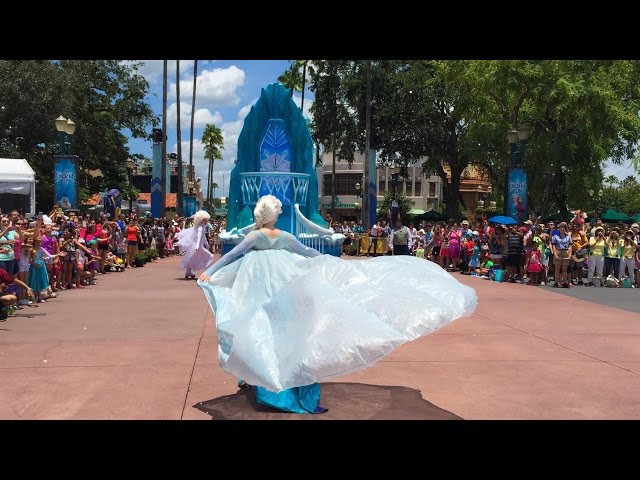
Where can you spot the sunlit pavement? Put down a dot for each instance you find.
(142, 345)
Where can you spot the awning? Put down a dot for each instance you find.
(16, 176)
(417, 211)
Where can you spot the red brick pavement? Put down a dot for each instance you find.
(142, 345)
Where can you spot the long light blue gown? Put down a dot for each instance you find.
(289, 317)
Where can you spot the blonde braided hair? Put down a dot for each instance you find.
(267, 208)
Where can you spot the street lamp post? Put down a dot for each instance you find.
(130, 164)
(595, 201)
(516, 175)
(65, 166)
(395, 208)
(360, 195)
(66, 128)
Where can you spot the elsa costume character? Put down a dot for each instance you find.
(193, 244)
(289, 317)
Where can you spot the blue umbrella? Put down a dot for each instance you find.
(502, 220)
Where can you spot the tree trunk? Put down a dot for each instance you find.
(453, 192)
(179, 205)
(163, 185)
(193, 116)
(209, 183)
(304, 80)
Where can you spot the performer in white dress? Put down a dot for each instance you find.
(193, 244)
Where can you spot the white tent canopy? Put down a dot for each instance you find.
(18, 178)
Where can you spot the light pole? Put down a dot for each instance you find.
(515, 191)
(65, 171)
(595, 201)
(130, 164)
(66, 128)
(359, 194)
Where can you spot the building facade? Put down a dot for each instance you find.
(424, 191)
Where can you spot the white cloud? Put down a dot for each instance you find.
(244, 111)
(216, 87)
(203, 116)
(297, 99)
(152, 69)
(621, 171)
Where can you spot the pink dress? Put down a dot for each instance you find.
(534, 265)
(454, 244)
(168, 246)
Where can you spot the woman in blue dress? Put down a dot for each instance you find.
(289, 317)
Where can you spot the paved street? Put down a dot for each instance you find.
(142, 345)
(624, 298)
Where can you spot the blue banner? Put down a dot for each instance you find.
(65, 181)
(517, 194)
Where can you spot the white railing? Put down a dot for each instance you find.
(325, 240)
(290, 188)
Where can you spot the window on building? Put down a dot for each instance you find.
(432, 189)
(345, 183)
(418, 189)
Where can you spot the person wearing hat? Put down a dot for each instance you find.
(628, 255)
(597, 246)
(579, 244)
(612, 253)
(598, 224)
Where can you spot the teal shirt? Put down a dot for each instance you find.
(6, 251)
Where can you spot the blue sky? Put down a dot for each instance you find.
(226, 90)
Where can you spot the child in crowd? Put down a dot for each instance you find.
(534, 267)
(474, 260)
(38, 277)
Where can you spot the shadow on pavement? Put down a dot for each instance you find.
(345, 401)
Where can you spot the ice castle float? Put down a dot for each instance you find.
(275, 156)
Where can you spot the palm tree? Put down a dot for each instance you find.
(214, 186)
(193, 116)
(612, 180)
(291, 79)
(213, 141)
(179, 135)
(306, 65)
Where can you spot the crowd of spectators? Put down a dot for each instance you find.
(47, 254)
(561, 255)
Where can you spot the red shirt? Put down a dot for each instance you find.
(5, 277)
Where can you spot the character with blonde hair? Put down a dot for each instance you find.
(193, 244)
(288, 317)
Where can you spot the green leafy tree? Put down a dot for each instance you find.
(385, 206)
(334, 126)
(582, 112)
(103, 98)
